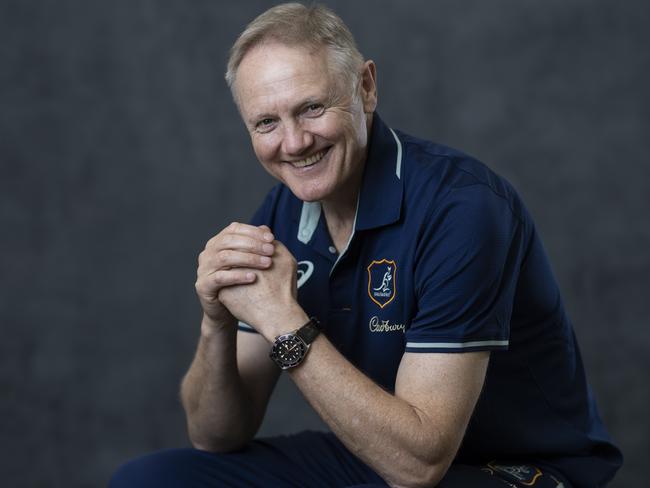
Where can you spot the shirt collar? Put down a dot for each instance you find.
(380, 199)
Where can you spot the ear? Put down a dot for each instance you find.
(369, 86)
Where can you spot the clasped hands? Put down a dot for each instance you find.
(245, 274)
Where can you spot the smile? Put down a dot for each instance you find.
(313, 159)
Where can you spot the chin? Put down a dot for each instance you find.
(308, 195)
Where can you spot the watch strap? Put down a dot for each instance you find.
(309, 331)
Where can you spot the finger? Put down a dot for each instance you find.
(231, 277)
(262, 233)
(210, 284)
(267, 233)
(228, 258)
(239, 242)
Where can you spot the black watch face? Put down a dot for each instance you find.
(288, 351)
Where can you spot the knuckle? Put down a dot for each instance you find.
(199, 285)
(217, 278)
(223, 257)
(220, 278)
(228, 240)
(212, 241)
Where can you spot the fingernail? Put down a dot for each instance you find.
(267, 248)
(268, 237)
(250, 276)
(265, 260)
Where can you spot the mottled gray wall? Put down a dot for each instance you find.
(121, 154)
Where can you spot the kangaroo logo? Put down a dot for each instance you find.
(381, 281)
(385, 281)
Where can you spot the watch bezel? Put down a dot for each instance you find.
(276, 354)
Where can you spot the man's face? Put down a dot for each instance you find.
(308, 127)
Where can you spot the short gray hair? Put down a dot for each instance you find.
(294, 24)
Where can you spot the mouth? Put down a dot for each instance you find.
(309, 161)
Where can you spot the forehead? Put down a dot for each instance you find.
(271, 76)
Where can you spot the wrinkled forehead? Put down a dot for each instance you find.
(273, 70)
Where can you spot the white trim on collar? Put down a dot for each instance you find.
(309, 217)
(398, 163)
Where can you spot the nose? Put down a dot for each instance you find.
(296, 139)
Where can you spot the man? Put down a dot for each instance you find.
(421, 322)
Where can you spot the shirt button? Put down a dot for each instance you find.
(332, 249)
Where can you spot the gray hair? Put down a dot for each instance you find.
(294, 24)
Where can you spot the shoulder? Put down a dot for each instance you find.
(441, 175)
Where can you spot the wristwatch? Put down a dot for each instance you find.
(290, 349)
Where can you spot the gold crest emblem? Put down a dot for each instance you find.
(382, 281)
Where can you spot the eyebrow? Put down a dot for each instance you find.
(310, 101)
(297, 108)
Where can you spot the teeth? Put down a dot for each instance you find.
(309, 161)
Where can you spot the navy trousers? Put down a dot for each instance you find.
(305, 460)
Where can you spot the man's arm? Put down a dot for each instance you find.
(227, 387)
(409, 438)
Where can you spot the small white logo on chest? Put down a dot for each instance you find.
(305, 269)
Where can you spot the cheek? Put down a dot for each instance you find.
(350, 126)
(264, 149)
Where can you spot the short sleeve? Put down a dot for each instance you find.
(466, 269)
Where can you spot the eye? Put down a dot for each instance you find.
(265, 125)
(314, 109)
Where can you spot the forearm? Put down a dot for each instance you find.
(220, 413)
(387, 433)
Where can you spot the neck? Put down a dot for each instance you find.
(339, 213)
(340, 221)
(339, 216)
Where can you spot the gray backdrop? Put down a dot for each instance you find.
(121, 153)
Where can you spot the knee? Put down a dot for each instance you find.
(164, 468)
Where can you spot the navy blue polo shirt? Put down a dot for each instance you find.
(444, 258)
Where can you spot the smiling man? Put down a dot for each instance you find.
(400, 283)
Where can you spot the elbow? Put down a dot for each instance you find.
(218, 444)
(431, 475)
(205, 437)
(427, 475)
(218, 447)
(424, 470)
